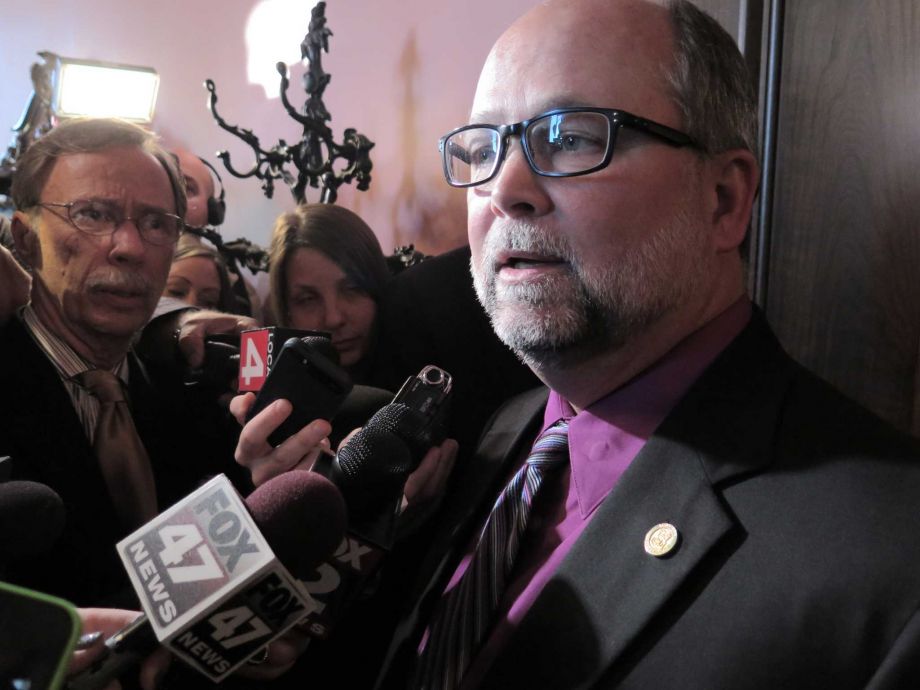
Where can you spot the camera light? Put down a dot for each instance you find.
(98, 89)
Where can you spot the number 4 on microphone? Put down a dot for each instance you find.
(254, 351)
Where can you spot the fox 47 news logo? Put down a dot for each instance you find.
(205, 574)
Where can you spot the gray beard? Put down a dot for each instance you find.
(570, 315)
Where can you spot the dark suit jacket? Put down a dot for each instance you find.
(40, 430)
(796, 568)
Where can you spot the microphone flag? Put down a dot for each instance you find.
(210, 585)
(259, 349)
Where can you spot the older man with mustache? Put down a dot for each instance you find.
(99, 207)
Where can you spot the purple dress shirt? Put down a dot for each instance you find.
(603, 440)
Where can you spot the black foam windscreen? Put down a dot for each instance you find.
(32, 517)
(405, 422)
(373, 455)
(323, 346)
(371, 469)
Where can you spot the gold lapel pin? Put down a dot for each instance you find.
(661, 539)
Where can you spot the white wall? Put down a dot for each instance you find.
(403, 73)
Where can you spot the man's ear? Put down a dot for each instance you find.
(26, 239)
(736, 177)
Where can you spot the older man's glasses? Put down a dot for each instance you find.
(563, 142)
(98, 217)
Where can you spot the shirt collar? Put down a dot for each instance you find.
(64, 358)
(607, 435)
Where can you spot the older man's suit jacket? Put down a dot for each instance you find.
(40, 430)
(797, 565)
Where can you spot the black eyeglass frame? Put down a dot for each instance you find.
(52, 205)
(615, 119)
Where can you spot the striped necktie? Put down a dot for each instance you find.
(122, 457)
(465, 614)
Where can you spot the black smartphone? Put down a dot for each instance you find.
(38, 634)
(307, 374)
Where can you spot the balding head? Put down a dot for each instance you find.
(199, 187)
(598, 52)
(670, 47)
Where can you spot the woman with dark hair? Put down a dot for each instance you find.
(199, 276)
(328, 274)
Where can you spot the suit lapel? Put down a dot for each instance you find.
(41, 417)
(608, 592)
(608, 588)
(609, 598)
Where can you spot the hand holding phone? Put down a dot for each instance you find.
(307, 374)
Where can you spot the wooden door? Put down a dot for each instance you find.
(843, 278)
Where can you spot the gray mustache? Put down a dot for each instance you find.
(118, 280)
(527, 238)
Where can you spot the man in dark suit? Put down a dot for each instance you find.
(99, 206)
(721, 518)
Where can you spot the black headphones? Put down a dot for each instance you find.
(217, 207)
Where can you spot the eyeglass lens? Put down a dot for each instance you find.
(472, 154)
(568, 142)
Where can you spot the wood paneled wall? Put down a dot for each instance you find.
(843, 288)
(841, 274)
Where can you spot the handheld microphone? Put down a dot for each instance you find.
(303, 368)
(32, 518)
(371, 472)
(213, 591)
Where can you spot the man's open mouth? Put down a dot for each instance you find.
(525, 260)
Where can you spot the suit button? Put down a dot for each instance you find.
(661, 540)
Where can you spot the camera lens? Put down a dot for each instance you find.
(434, 376)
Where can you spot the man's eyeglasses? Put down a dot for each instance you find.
(562, 142)
(98, 217)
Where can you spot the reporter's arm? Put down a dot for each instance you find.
(425, 487)
(194, 326)
(182, 331)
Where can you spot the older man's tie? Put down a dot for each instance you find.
(465, 614)
(121, 455)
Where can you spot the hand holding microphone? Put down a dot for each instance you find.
(393, 451)
(392, 465)
(213, 591)
(98, 624)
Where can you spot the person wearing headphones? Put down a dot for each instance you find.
(207, 208)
